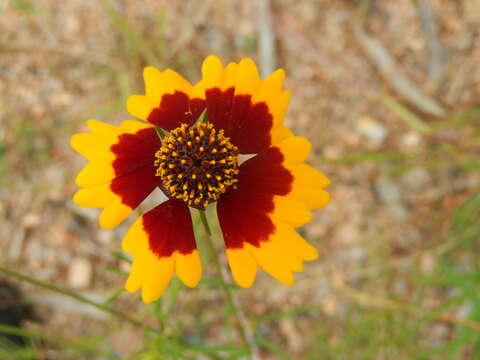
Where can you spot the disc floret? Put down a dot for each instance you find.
(197, 164)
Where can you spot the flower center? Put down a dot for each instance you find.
(197, 164)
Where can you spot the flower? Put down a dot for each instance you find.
(208, 128)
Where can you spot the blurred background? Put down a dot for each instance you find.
(387, 91)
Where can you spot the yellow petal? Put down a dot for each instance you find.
(135, 238)
(94, 147)
(188, 268)
(307, 186)
(159, 83)
(291, 211)
(291, 240)
(94, 196)
(307, 176)
(230, 76)
(248, 79)
(100, 127)
(133, 126)
(158, 276)
(95, 173)
(243, 266)
(280, 107)
(138, 272)
(271, 260)
(212, 72)
(140, 106)
(295, 149)
(280, 133)
(270, 88)
(114, 214)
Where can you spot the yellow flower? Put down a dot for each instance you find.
(259, 202)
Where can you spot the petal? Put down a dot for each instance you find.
(271, 88)
(94, 173)
(248, 79)
(230, 76)
(158, 83)
(266, 173)
(270, 259)
(283, 253)
(114, 214)
(247, 124)
(137, 271)
(243, 266)
(291, 211)
(258, 217)
(189, 268)
(140, 106)
(169, 100)
(307, 186)
(176, 109)
(95, 196)
(294, 149)
(243, 217)
(212, 76)
(121, 171)
(280, 133)
(247, 108)
(162, 242)
(160, 272)
(279, 107)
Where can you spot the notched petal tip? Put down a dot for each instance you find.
(139, 106)
(113, 215)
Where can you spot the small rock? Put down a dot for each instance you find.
(347, 233)
(105, 236)
(388, 191)
(417, 178)
(31, 220)
(372, 130)
(80, 273)
(411, 141)
(390, 194)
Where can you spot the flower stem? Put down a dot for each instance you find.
(78, 297)
(244, 328)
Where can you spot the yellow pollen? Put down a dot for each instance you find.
(197, 164)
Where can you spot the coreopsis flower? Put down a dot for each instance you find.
(224, 143)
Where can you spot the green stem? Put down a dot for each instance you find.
(78, 297)
(160, 132)
(42, 336)
(225, 286)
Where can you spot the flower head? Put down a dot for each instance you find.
(209, 126)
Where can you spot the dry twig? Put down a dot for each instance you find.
(266, 46)
(385, 63)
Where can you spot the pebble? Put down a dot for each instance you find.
(31, 220)
(80, 273)
(417, 179)
(390, 194)
(372, 130)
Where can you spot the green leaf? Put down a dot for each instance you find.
(407, 116)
